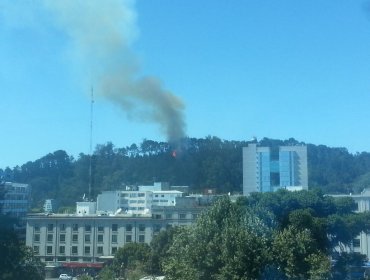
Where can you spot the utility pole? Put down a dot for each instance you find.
(91, 135)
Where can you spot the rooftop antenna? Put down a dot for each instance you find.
(91, 134)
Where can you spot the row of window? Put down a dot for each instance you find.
(114, 227)
(133, 195)
(87, 238)
(75, 227)
(72, 259)
(87, 249)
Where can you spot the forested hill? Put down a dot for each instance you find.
(199, 163)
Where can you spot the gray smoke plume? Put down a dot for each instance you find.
(102, 33)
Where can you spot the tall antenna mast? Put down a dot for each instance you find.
(91, 134)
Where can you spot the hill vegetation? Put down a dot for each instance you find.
(199, 163)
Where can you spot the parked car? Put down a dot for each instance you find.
(65, 277)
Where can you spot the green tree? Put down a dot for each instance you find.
(159, 249)
(16, 260)
(320, 266)
(106, 273)
(132, 259)
(295, 252)
(345, 262)
(225, 243)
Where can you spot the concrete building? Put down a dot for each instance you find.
(132, 202)
(62, 240)
(266, 169)
(361, 244)
(165, 198)
(139, 201)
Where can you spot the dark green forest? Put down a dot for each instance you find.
(199, 163)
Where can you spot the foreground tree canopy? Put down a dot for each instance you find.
(281, 235)
(270, 236)
(16, 260)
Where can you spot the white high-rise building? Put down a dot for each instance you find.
(266, 169)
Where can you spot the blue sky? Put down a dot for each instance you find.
(242, 68)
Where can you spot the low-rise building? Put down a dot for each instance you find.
(88, 240)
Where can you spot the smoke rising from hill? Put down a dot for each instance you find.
(102, 33)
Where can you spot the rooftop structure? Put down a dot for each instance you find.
(50, 206)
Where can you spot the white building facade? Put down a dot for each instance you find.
(59, 239)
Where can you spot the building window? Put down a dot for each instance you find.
(50, 238)
(128, 238)
(356, 243)
(182, 216)
(100, 238)
(62, 227)
(36, 250)
(156, 228)
(62, 238)
(88, 228)
(141, 238)
(62, 250)
(49, 259)
(36, 238)
(73, 259)
(100, 250)
(141, 194)
(114, 238)
(114, 227)
(87, 238)
(87, 250)
(74, 250)
(50, 227)
(129, 227)
(114, 250)
(141, 227)
(74, 238)
(100, 228)
(168, 216)
(49, 250)
(37, 228)
(61, 259)
(195, 216)
(75, 227)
